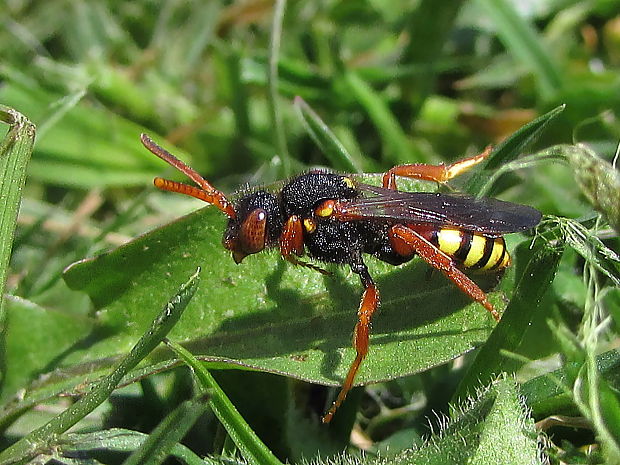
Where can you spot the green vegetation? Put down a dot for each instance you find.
(250, 92)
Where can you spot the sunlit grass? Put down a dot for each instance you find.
(250, 93)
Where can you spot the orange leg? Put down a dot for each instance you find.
(368, 305)
(407, 242)
(292, 237)
(292, 243)
(437, 173)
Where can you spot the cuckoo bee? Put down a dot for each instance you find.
(336, 219)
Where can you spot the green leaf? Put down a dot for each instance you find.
(550, 393)
(269, 315)
(82, 146)
(15, 152)
(396, 146)
(44, 437)
(606, 417)
(430, 23)
(507, 436)
(491, 428)
(272, 80)
(35, 340)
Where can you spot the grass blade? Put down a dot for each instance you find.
(15, 152)
(509, 150)
(520, 38)
(396, 146)
(272, 79)
(431, 23)
(160, 442)
(119, 440)
(335, 152)
(550, 392)
(245, 439)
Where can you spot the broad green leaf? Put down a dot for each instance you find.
(35, 340)
(507, 436)
(268, 315)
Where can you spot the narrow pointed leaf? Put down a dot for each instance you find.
(335, 152)
(118, 440)
(509, 149)
(15, 151)
(159, 444)
(250, 445)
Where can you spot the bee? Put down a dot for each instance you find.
(336, 219)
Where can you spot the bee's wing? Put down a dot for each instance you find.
(490, 216)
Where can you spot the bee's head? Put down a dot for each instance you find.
(256, 225)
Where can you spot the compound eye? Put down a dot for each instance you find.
(253, 233)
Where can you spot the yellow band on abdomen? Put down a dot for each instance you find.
(449, 240)
(473, 250)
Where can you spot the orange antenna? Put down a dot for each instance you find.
(205, 192)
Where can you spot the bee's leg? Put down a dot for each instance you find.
(292, 237)
(437, 173)
(406, 242)
(292, 244)
(368, 305)
(296, 261)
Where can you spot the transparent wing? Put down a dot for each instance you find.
(485, 215)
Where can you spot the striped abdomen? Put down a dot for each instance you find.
(473, 250)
